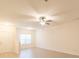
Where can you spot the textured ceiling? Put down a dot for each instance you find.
(25, 12)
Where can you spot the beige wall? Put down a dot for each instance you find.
(63, 38)
(7, 37)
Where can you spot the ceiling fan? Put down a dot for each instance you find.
(42, 19)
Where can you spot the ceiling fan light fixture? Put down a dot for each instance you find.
(42, 23)
(42, 20)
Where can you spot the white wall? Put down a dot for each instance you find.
(63, 38)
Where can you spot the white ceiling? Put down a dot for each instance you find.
(25, 12)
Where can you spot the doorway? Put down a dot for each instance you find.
(25, 40)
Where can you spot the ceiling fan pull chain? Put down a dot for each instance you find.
(46, 0)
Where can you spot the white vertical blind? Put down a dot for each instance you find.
(25, 38)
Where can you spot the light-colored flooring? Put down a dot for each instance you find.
(43, 53)
(39, 53)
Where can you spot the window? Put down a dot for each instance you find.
(25, 39)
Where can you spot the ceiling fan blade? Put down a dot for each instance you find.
(49, 21)
(26, 16)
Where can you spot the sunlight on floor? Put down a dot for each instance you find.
(26, 53)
